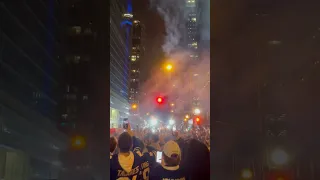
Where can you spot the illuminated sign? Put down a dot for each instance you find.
(128, 15)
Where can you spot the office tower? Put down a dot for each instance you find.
(78, 35)
(191, 42)
(120, 43)
(29, 90)
(137, 52)
(192, 29)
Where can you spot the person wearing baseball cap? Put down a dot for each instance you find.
(170, 164)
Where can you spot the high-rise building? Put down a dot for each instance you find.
(120, 46)
(191, 43)
(137, 52)
(30, 68)
(192, 29)
(78, 34)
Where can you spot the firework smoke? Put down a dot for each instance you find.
(186, 80)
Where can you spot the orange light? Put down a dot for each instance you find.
(134, 106)
(78, 142)
(185, 120)
(169, 67)
(197, 119)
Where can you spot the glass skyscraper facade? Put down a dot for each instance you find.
(30, 144)
(120, 43)
(137, 52)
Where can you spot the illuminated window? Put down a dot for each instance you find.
(195, 45)
(134, 70)
(76, 30)
(134, 48)
(73, 59)
(194, 19)
(133, 58)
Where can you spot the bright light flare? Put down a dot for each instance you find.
(197, 111)
(159, 100)
(197, 119)
(169, 67)
(279, 157)
(187, 116)
(153, 121)
(134, 106)
(171, 122)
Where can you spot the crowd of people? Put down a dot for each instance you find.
(164, 155)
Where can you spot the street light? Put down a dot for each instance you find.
(134, 106)
(197, 111)
(169, 67)
(153, 121)
(187, 116)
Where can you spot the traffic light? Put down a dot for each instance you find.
(160, 100)
(197, 120)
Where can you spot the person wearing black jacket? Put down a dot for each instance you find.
(197, 160)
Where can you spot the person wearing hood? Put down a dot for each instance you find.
(128, 163)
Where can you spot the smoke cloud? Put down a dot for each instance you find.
(187, 79)
(173, 13)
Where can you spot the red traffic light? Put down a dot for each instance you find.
(197, 120)
(160, 100)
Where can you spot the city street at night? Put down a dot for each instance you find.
(159, 89)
